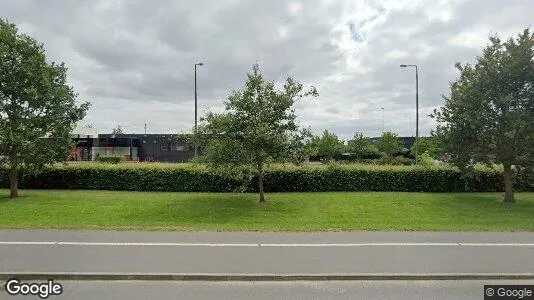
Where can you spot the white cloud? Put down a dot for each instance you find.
(134, 59)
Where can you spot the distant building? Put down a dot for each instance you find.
(147, 147)
(134, 147)
(86, 139)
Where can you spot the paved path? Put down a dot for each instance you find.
(266, 253)
(154, 290)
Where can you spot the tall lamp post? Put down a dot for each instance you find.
(382, 119)
(416, 110)
(196, 105)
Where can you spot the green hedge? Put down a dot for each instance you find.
(112, 159)
(187, 178)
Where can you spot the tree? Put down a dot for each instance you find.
(489, 115)
(117, 130)
(427, 144)
(389, 143)
(302, 148)
(37, 107)
(360, 145)
(258, 126)
(328, 146)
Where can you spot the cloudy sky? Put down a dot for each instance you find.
(134, 59)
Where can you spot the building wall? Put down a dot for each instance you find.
(151, 147)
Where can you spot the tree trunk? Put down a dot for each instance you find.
(262, 195)
(508, 184)
(14, 181)
(260, 178)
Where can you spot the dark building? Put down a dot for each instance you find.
(86, 140)
(134, 147)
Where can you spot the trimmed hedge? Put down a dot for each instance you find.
(188, 178)
(112, 159)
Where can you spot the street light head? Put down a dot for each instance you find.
(403, 66)
(200, 64)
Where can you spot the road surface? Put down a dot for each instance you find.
(266, 253)
(398, 290)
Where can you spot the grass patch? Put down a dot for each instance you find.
(384, 211)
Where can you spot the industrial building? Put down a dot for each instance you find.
(134, 147)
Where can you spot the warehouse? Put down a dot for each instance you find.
(134, 147)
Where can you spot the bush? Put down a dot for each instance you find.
(112, 159)
(278, 178)
(426, 159)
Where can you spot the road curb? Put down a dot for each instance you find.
(4, 276)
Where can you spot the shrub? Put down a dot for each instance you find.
(278, 178)
(426, 159)
(112, 159)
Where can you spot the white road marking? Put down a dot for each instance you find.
(60, 243)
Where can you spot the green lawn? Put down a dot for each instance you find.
(77, 209)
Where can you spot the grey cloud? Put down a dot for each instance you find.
(138, 51)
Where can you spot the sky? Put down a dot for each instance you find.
(134, 59)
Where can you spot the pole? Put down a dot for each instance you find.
(382, 119)
(145, 128)
(416, 115)
(196, 151)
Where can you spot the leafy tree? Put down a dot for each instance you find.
(427, 144)
(117, 130)
(328, 146)
(259, 126)
(489, 115)
(37, 107)
(302, 148)
(360, 145)
(389, 143)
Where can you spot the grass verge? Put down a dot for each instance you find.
(350, 211)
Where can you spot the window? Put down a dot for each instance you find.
(164, 147)
(177, 148)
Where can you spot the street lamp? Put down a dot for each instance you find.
(416, 110)
(382, 119)
(196, 105)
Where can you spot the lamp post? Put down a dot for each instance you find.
(416, 110)
(196, 106)
(382, 119)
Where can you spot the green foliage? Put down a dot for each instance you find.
(112, 159)
(429, 145)
(37, 107)
(389, 143)
(278, 178)
(360, 146)
(257, 128)
(426, 159)
(489, 115)
(301, 149)
(328, 146)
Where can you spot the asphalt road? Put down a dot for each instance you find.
(398, 290)
(266, 253)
